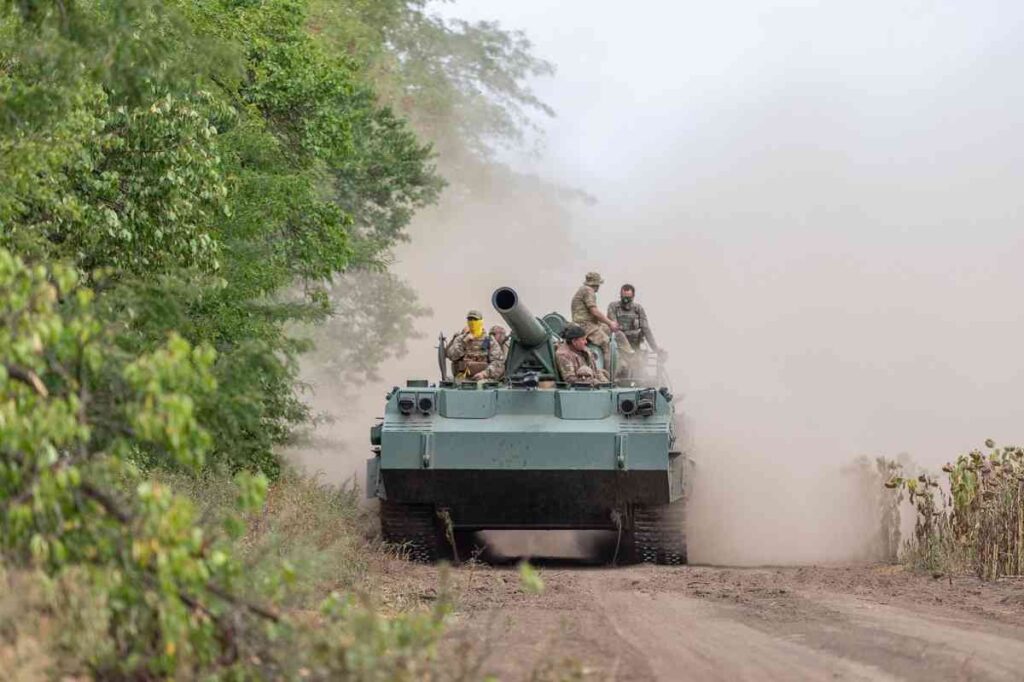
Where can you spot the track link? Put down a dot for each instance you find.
(659, 534)
(414, 527)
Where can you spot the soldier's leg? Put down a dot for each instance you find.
(606, 353)
(628, 356)
(599, 337)
(624, 346)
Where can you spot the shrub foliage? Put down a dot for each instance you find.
(973, 520)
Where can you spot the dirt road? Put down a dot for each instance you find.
(704, 623)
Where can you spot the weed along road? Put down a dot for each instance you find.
(709, 623)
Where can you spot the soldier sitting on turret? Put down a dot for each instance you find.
(468, 349)
(576, 363)
(596, 325)
(497, 349)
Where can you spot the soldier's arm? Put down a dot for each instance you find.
(496, 366)
(494, 371)
(596, 312)
(456, 349)
(590, 300)
(566, 368)
(646, 328)
(588, 372)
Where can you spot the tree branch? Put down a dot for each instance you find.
(111, 507)
(256, 609)
(27, 377)
(105, 501)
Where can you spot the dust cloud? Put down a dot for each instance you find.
(823, 296)
(830, 254)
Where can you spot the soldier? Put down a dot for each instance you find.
(596, 325)
(497, 349)
(632, 318)
(576, 364)
(468, 349)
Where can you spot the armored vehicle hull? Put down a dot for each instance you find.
(531, 453)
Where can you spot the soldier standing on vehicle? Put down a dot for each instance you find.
(576, 363)
(632, 319)
(497, 349)
(468, 349)
(597, 326)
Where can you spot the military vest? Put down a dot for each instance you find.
(628, 319)
(475, 357)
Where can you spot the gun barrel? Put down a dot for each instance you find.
(527, 328)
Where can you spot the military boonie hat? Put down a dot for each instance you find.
(497, 328)
(593, 278)
(573, 331)
(474, 315)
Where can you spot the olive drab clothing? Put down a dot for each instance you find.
(471, 356)
(468, 354)
(632, 319)
(597, 332)
(578, 367)
(583, 300)
(496, 354)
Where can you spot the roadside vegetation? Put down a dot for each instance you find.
(182, 184)
(970, 520)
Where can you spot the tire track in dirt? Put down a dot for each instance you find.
(685, 638)
(703, 623)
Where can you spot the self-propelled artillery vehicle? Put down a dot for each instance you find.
(531, 452)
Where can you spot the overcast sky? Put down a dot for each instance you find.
(919, 79)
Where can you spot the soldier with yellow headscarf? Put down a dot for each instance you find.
(468, 349)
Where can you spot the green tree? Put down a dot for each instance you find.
(211, 168)
(463, 85)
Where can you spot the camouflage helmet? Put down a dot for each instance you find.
(593, 279)
(573, 331)
(474, 315)
(497, 328)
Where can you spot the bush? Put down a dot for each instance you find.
(303, 552)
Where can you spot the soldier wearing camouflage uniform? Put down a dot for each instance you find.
(632, 318)
(597, 326)
(497, 350)
(468, 349)
(576, 363)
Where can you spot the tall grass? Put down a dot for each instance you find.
(972, 519)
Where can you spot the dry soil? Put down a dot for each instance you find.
(711, 623)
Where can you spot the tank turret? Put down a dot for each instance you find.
(532, 350)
